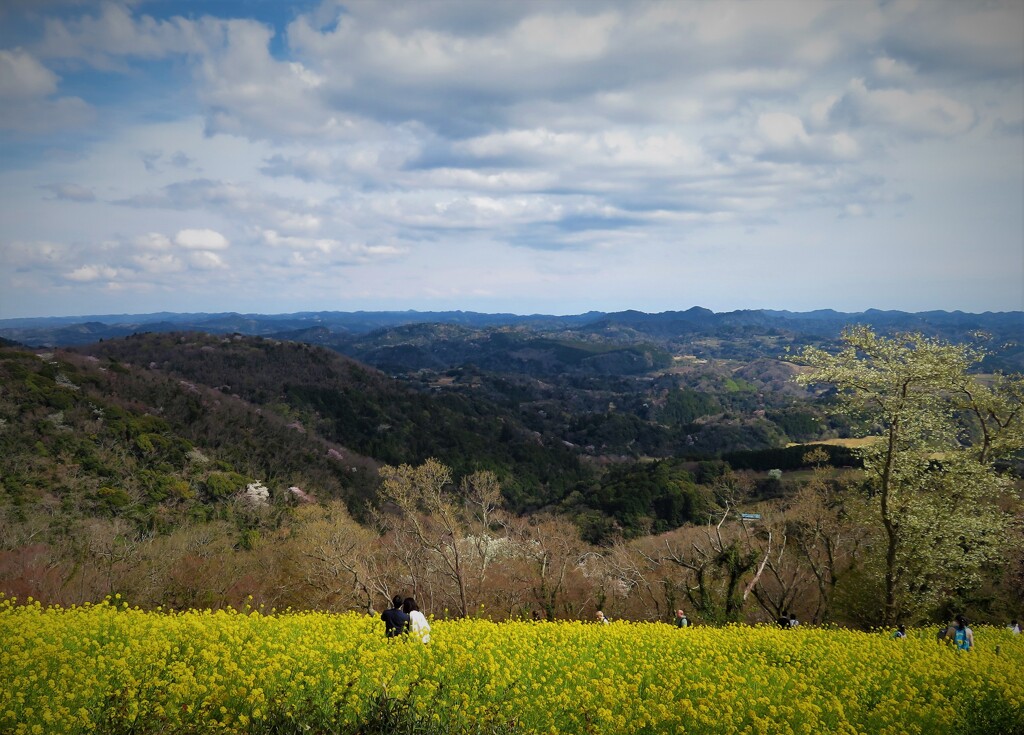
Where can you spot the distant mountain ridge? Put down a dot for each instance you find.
(68, 331)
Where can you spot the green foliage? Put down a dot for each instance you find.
(596, 528)
(650, 497)
(707, 471)
(746, 435)
(98, 450)
(112, 498)
(791, 458)
(686, 406)
(738, 385)
(931, 474)
(220, 485)
(348, 405)
(799, 424)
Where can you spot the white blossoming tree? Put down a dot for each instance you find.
(931, 474)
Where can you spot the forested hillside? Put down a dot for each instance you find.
(84, 435)
(326, 395)
(185, 468)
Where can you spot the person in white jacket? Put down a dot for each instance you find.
(418, 625)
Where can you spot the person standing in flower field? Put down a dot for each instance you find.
(1014, 627)
(681, 621)
(601, 618)
(418, 624)
(901, 631)
(961, 635)
(396, 621)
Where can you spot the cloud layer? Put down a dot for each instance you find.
(513, 156)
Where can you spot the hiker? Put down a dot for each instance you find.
(961, 635)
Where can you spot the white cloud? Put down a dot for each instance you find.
(449, 211)
(611, 148)
(307, 251)
(783, 133)
(103, 39)
(378, 154)
(535, 41)
(299, 222)
(153, 241)
(157, 263)
(205, 260)
(417, 140)
(324, 245)
(925, 112)
(201, 240)
(246, 89)
(27, 104)
(70, 192)
(477, 179)
(23, 77)
(891, 70)
(88, 273)
(22, 255)
(755, 80)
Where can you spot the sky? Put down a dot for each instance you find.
(497, 156)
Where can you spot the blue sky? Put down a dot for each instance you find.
(528, 157)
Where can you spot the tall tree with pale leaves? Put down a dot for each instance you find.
(931, 474)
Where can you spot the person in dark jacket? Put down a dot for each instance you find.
(396, 621)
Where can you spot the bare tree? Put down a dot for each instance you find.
(719, 557)
(452, 530)
(335, 558)
(548, 564)
(827, 537)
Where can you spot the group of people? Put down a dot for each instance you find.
(787, 620)
(404, 618)
(958, 633)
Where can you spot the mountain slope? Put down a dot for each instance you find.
(360, 408)
(89, 437)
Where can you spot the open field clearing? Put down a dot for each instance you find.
(106, 668)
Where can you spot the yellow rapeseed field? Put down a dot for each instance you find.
(109, 668)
